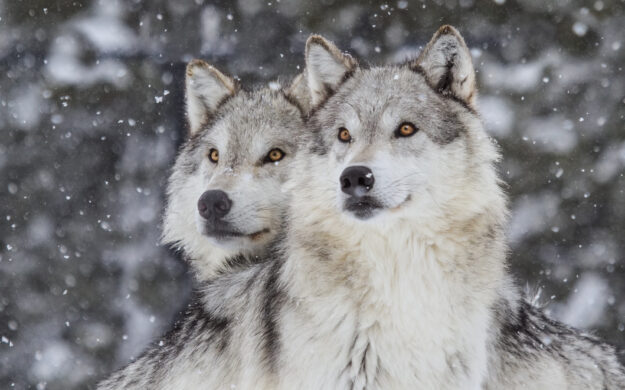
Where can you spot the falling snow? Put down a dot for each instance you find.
(91, 112)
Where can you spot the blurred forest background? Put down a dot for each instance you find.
(91, 115)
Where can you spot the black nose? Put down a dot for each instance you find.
(357, 180)
(214, 204)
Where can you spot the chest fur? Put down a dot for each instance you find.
(405, 318)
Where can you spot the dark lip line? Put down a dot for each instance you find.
(233, 233)
(353, 204)
(224, 233)
(372, 206)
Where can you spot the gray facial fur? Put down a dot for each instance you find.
(243, 127)
(396, 90)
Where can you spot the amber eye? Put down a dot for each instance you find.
(274, 155)
(213, 155)
(344, 135)
(406, 129)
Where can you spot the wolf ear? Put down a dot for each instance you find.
(447, 66)
(298, 92)
(326, 67)
(206, 88)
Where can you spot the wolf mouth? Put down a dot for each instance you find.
(362, 207)
(227, 233)
(224, 233)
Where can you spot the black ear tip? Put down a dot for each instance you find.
(195, 64)
(448, 29)
(314, 38)
(318, 40)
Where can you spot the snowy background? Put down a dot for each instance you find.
(91, 114)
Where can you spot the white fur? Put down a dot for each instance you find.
(402, 284)
(180, 225)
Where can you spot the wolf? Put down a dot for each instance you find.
(225, 195)
(412, 148)
(391, 273)
(226, 201)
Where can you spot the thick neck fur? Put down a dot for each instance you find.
(404, 299)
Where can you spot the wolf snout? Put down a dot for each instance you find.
(357, 180)
(214, 204)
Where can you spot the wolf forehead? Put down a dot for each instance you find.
(249, 115)
(257, 118)
(247, 112)
(396, 92)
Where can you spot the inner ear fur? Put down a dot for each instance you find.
(206, 89)
(326, 68)
(299, 93)
(447, 66)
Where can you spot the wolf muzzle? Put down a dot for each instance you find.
(357, 181)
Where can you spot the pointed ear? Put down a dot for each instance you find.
(299, 93)
(206, 89)
(326, 67)
(447, 66)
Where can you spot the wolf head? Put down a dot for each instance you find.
(225, 194)
(400, 142)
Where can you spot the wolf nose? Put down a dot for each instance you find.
(357, 180)
(214, 204)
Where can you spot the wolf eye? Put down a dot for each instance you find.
(274, 155)
(344, 135)
(406, 129)
(213, 155)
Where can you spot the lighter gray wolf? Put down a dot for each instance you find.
(416, 166)
(225, 193)
(391, 273)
